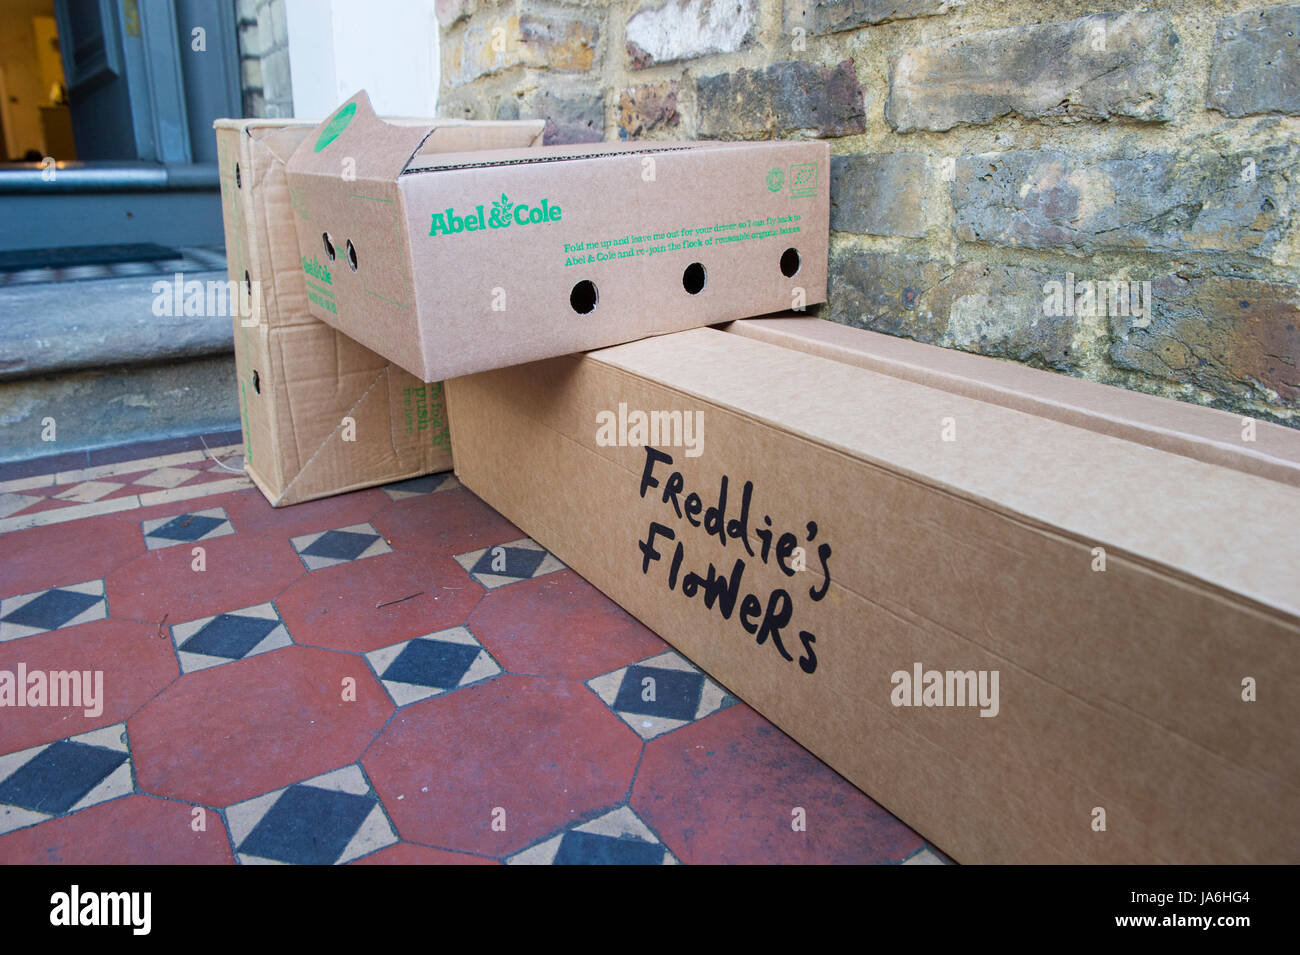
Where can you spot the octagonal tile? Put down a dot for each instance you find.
(43, 557)
(132, 830)
(727, 789)
(528, 754)
(238, 571)
(135, 664)
(449, 522)
(560, 625)
(267, 721)
(371, 603)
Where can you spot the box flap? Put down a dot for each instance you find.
(380, 150)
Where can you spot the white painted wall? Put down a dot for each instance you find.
(387, 47)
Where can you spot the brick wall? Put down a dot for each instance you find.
(264, 59)
(983, 150)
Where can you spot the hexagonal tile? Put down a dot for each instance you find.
(266, 722)
(527, 753)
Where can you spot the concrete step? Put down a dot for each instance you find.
(90, 363)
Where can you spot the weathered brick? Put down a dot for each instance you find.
(1096, 67)
(1207, 197)
(276, 79)
(993, 310)
(783, 98)
(1231, 336)
(831, 16)
(683, 29)
(449, 11)
(879, 194)
(279, 24)
(883, 292)
(998, 310)
(647, 109)
(491, 44)
(569, 119)
(1256, 64)
(250, 41)
(250, 73)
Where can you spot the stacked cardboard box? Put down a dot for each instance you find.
(1039, 619)
(1032, 641)
(321, 414)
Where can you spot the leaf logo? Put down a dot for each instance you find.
(501, 210)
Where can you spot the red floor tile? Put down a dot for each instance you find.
(70, 553)
(404, 853)
(445, 522)
(241, 571)
(560, 625)
(133, 830)
(238, 730)
(546, 751)
(723, 790)
(358, 606)
(45, 504)
(172, 508)
(251, 513)
(136, 665)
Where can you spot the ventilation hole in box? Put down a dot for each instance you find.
(693, 278)
(248, 284)
(329, 246)
(789, 262)
(239, 183)
(352, 256)
(257, 384)
(584, 297)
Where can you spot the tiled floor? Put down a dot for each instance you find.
(396, 675)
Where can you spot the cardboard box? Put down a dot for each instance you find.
(1120, 594)
(321, 414)
(1207, 434)
(450, 264)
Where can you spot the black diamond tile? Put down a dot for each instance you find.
(187, 527)
(229, 635)
(340, 545)
(437, 663)
(588, 848)
(308, 826)
(59, 776)
(521, 562)
(677, 693)
(420, 485)
(52, 609)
